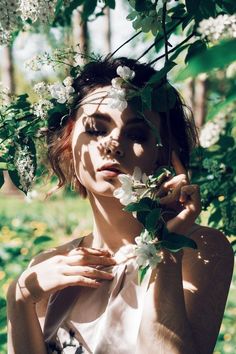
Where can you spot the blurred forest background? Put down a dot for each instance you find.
(163, 32)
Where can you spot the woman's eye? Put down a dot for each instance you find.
(138, 137)
(95, 132)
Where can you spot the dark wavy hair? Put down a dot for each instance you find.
(177, 132)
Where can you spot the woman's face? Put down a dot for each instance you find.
(107, 142)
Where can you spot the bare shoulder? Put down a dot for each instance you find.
(207, 274)
(212, 241)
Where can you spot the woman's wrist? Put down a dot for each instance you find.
(22, 291)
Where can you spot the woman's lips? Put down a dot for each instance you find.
(110, 173)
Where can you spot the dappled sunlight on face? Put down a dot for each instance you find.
(104, 135)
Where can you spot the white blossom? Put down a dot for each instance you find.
(146, 252)
(125, 192)
(41, 88)
(25, 167)
(210, 132)
(68, 81)
(128, 193)
(231, 70)
(42, 10)
(61, 92)
(117, 83)
(117, 99)
(34, 63)
(125, 72)
(42, 107)
(214, 29)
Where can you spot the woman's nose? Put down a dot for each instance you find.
(114, 148)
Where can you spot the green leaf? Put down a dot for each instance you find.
(42, 239)
(111, 3)
(152, 219)
(88, 8)
(141, 274)
(195, 48)
(221, 105)
(207, 9)
(192, 6)
(175, 242)
(141, 5)
(3, 338)
(145, 204)
(216, 57)
(155, 79)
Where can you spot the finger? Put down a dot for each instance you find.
(82, 281)
(174, 194)
(88, 259)
(190, 191)
(88, 272)
(90, 250)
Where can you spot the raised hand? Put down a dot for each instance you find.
(78, 267)
(181, 196)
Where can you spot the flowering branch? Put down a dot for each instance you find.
(140, 195)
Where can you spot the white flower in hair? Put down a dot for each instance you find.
(125, 72)
(117, 99)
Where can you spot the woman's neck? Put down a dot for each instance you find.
(113, 227)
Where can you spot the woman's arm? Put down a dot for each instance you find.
(165, 327)
(24, 331)
(207, 273)
(35, 284)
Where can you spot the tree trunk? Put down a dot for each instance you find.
(8, 81)
(200, 93)
(107, 30)
(80, 35)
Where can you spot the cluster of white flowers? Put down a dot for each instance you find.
(210, 132)
(4, 94)
(36, 63)
(146, 252)
(42, 107)
(42, 10)
(9, 19)
(118, 92)
(131, 186)
(62, 92)
(25, 167)
(214, 29)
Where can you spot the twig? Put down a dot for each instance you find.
(130, 39)
(173, 49)
(160, 39)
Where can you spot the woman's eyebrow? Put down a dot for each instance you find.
(107, 118)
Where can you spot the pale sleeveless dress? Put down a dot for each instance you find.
(99, 321)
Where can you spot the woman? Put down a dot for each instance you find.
(84, 297)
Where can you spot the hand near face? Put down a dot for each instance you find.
(79, 267)
(183, 197)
